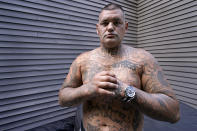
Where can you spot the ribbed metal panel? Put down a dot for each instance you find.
(168, 30)
(38, 42)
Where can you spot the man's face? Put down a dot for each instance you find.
(111, 28)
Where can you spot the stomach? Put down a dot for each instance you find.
(102, 114)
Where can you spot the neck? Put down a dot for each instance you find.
(111, 51)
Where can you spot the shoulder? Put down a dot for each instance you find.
(148, 61)
(139, 53)
(84, 57)
(145, 55)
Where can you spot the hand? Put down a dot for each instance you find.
(103, 83)
(119, 92)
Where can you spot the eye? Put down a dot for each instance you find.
(116, 23)
(105, 23)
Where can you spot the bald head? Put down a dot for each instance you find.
(113, 7)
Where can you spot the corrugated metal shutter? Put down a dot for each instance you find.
(168, 29)
(38, 42)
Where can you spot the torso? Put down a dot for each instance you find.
(111, 114)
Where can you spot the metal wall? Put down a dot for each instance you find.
(168, 29)
(38, 42)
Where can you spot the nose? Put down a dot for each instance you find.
(110, 27)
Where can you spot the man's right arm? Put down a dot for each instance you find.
(74, 91)
(72, 96)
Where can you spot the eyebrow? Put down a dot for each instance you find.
(114, 19)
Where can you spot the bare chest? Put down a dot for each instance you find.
(108, 111)
(127, 71)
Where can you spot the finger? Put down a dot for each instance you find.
(103, 73)
(106, 85)
(108, 79)
(106, 92)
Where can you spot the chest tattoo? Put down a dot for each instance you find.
(125, 64)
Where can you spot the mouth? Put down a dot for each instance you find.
(110, 36)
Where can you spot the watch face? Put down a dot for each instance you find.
(130, 92)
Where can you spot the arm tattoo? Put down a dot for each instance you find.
(74, 76)
(155, 81)
(162, 104)
(157, 103)
(161, 78)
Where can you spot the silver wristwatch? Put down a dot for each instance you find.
(129, 94)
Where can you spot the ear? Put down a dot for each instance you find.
(97, 29)
(126, 25)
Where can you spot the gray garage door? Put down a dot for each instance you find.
(38, 42)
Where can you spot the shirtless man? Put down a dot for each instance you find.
(117, 84)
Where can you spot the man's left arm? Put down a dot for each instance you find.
(156, 99)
